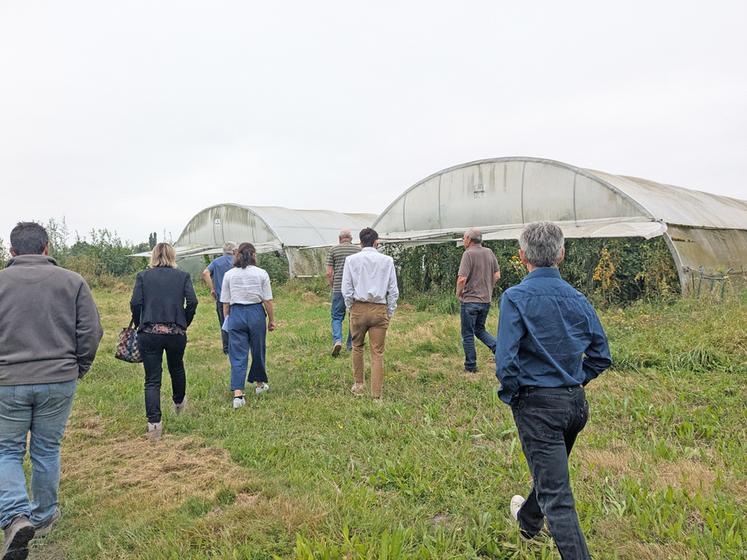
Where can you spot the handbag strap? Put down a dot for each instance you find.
(132, 324)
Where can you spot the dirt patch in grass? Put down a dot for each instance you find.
(625, 545)
(311, 297)
(616, 461)
(165, 471)
(687, 474)
(651, 551)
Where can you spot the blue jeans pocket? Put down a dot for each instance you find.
(64, 390)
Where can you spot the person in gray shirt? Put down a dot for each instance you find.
(49, 334)
(478, 274)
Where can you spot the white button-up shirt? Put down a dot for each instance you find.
(369, 276)
(246, 286)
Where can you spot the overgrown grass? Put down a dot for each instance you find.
(308, 471)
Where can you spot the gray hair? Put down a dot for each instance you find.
(229, 247)
(346, 234)
(542, 243)
(474, 234)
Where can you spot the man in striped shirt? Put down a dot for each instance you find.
(335, 264)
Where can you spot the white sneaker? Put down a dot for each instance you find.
(155, 429)
(261, 388)
(238, 402)
(516, 503)
(179, 407)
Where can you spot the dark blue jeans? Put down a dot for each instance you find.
(473, 325)
(247, 331)
(548, 420)
(338, 316)
(221, 318)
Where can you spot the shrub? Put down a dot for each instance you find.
(99, 258)
(4, 255)
(276, 265)
(609, 271)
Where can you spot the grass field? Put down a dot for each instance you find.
(308, 471)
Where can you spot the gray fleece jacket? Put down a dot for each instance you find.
(49, 325)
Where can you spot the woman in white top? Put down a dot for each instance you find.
(247, 304)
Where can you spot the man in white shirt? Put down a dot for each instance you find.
(369, 286)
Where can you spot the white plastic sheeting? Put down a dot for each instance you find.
(704, 232)
(270, 228)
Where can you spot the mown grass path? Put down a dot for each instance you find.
(308, 471)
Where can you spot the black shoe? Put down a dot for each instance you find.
(470, 370)
(17, 537)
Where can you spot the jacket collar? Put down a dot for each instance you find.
(31, 260)
(544, 272)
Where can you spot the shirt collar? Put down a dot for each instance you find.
(369, 249)
(544, 272)
(31, 260)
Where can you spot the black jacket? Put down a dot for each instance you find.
(159, 297)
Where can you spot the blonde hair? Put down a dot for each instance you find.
(163, 254)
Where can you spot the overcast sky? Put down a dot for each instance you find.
(136, 115)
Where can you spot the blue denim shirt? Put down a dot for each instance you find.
(548, 336)
(218, 269)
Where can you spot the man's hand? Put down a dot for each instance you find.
(330, 275)
(208, 279)
(271, 326)
(460, 284)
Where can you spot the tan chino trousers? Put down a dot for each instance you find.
(371, 318)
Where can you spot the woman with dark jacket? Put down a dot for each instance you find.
(163, 305)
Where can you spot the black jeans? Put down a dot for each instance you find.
(221, 318)
(152, 347)
(548, 420)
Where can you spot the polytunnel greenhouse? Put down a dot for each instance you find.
(302, 236)
(706, 234)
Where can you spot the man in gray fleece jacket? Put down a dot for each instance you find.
(49, 333)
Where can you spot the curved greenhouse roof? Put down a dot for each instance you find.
(705, 232)
(302, 235)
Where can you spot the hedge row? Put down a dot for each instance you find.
(609, 271)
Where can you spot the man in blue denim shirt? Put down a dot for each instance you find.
(213, 277)
(550, 344)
